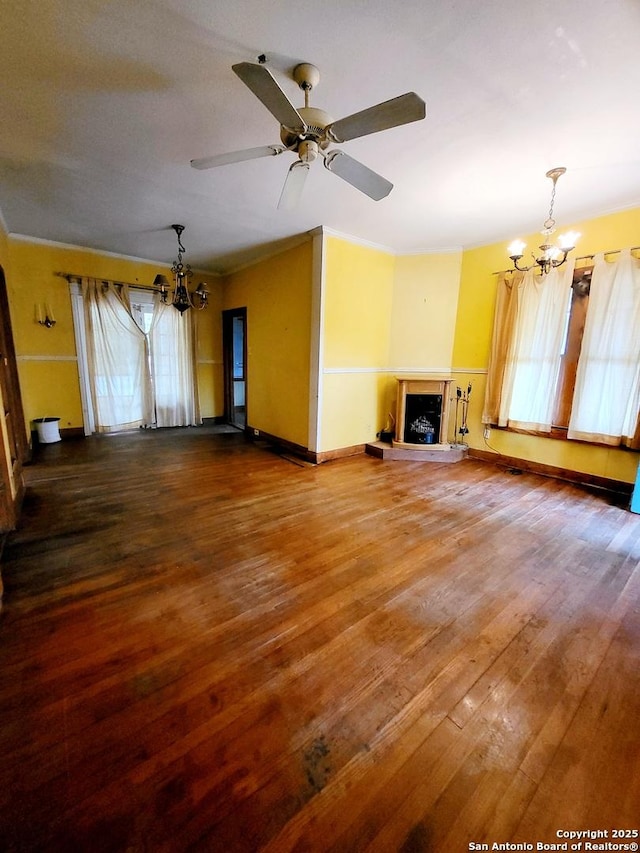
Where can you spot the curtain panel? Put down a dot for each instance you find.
(607, 391)
(118, 358)
(503, 326)
(173, 366)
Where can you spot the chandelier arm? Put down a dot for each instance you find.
(515, 259)
(558, 263)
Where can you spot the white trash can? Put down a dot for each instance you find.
(48, 431)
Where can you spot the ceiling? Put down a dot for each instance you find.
(104, 103)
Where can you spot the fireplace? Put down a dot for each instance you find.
(422, 413)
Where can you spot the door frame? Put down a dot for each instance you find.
(228, 316)
(14, 442)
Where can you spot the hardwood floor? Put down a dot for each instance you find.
(205, 646)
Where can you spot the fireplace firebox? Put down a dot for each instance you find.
(422, 413)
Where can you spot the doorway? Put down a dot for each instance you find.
(234, 344)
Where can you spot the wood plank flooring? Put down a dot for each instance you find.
(207, 647)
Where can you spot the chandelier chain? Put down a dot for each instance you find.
(549, 223)
(551, 256)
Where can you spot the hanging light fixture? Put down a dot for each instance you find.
(181, 299)
(552, 256)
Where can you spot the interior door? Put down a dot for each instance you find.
(234, 342)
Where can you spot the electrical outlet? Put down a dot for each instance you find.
(487, 432)
(256, 432)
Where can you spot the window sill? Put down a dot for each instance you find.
(558, 433)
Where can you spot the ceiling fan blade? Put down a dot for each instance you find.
(237, 156)
(293, 185)
(265, 87)
(401, 110)
(358, 175)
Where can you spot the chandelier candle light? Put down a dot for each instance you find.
(552, 256)
(181, 299)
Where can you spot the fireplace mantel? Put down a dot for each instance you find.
(422, 413)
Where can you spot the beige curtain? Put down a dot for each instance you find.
(118, 359)
(607, 393)
(503, 326)
(174, 366)
(533, 361)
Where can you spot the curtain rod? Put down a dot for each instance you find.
(70, 275)
(585, 257)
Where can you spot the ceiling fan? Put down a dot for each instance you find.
(309, 131)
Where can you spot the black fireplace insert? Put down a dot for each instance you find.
(423, 415)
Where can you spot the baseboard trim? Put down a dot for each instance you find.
(340, 453)
(283, 445)
(618, 486)
(72, 432)
(279, 444)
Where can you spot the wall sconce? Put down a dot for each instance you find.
(45, 319)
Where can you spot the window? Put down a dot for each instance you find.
(136, 359)
(565, 359)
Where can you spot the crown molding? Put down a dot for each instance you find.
(324, 230)
(291, 243)
(41, 241)
(359, 241)
(443, 250)
(568, 225)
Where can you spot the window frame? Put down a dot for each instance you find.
(565, 387)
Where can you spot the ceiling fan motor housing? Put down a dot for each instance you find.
(316, 121)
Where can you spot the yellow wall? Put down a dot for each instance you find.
(474, 328)
(357, 307)
(383, 315)
(209, 337)
(425, 303)
(47, 363)
(277, 295)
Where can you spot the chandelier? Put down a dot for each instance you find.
(181, 298)
(552, 256)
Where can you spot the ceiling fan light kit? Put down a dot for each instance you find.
(309, 131)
